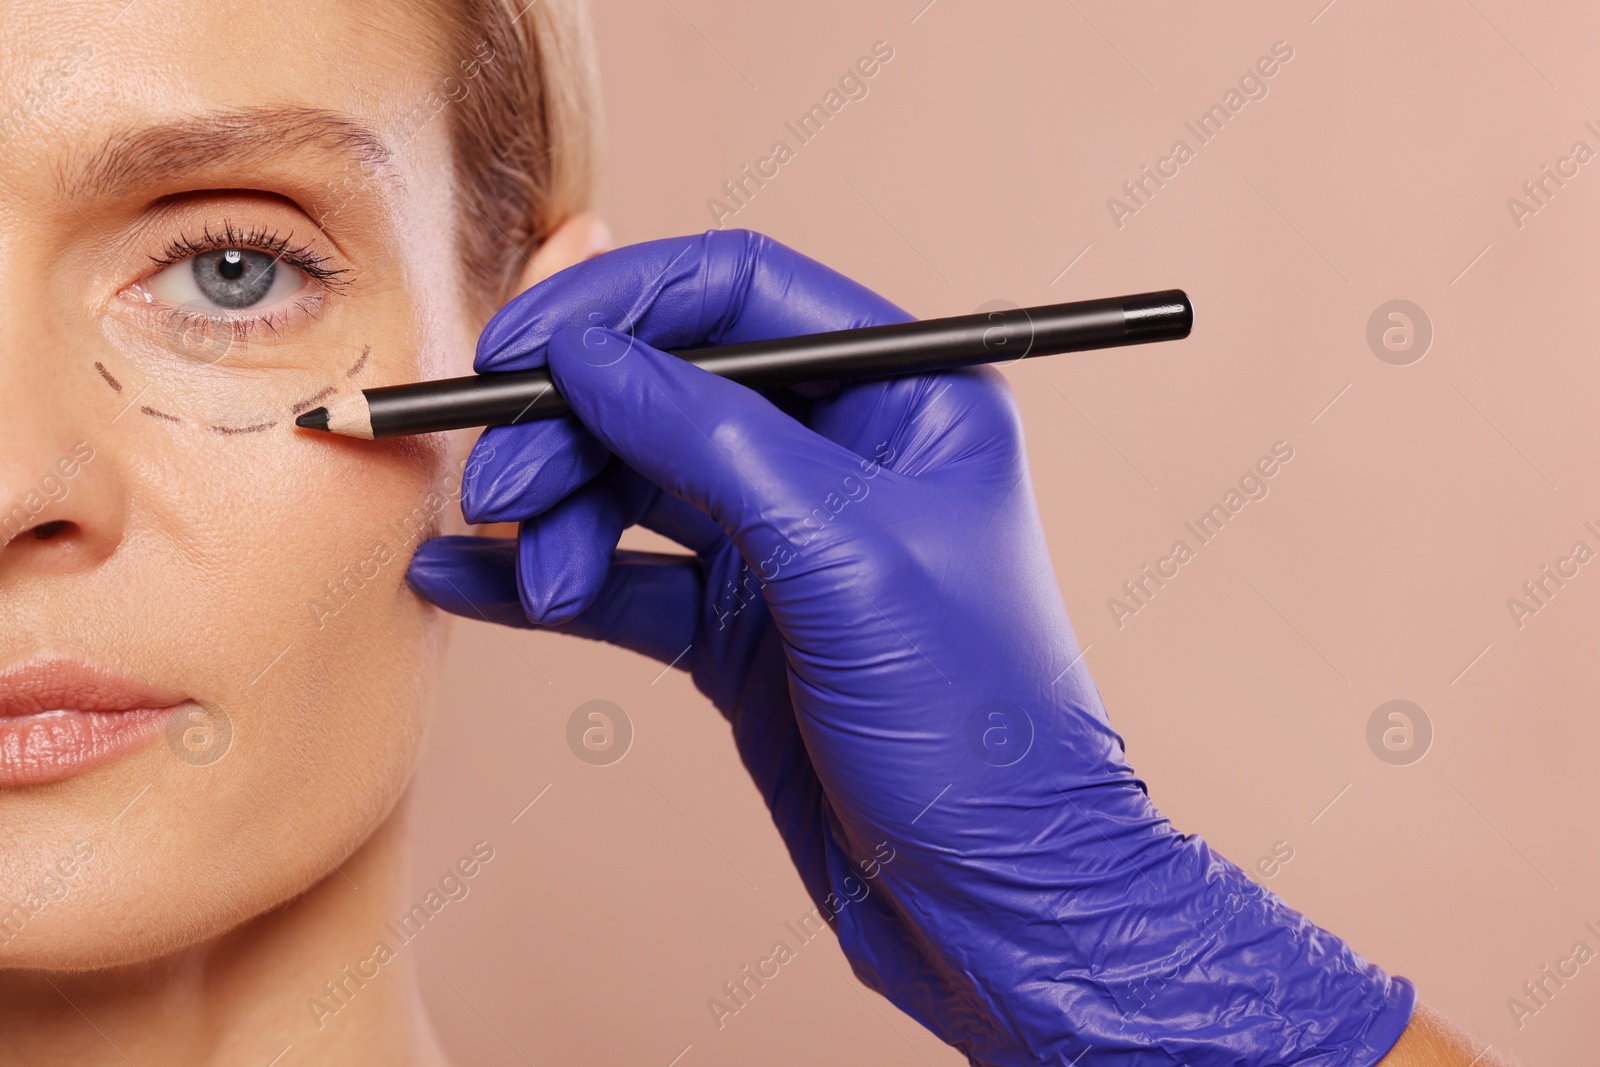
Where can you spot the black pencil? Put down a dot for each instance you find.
(873, 351)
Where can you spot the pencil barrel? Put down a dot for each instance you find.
(1000, 336)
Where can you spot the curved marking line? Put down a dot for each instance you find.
(362, 362)
(308, 404)
(158, 414)
(257, 428)
(101, 367)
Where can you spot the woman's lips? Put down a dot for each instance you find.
(59, 717)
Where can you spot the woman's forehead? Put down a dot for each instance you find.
(81, 83)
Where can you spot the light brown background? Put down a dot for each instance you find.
(1379, 566)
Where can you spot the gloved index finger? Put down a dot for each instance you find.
(719, 287)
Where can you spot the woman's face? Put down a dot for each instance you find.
(212, 217)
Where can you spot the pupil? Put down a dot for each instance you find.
(235, 278)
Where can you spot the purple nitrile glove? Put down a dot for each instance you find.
(871, 605)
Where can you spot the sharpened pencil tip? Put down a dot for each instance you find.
(315, 419)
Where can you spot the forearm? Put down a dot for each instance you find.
(1434, 1041)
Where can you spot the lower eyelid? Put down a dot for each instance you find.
(225, 339)
(231, 375)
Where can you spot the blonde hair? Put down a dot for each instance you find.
(526, 137)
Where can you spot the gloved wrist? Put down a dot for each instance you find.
(1170, 954)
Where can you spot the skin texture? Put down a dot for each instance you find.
(191, 557)
(189, 551)
(1434, 1041)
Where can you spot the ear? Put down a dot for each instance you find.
(581, 237)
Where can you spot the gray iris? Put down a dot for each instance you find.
(234, 278)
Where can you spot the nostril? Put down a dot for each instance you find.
(46, 530)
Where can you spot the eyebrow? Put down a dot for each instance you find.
(131, 159)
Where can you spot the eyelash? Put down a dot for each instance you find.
(303, 257)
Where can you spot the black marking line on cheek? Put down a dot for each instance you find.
(158, 414)
(311, 402)
(362, 362)
(257, 428)
(101, 367)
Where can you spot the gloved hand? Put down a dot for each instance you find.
(871, 605)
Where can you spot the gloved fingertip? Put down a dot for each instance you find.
(552, 605)
(470, 576)
(478, 476)
(510, 341)
(557, 580)
(528, 469)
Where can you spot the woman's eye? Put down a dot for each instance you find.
(226, 279)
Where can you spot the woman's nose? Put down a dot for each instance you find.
(65, 452)
(62, 497)
(59, 507)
